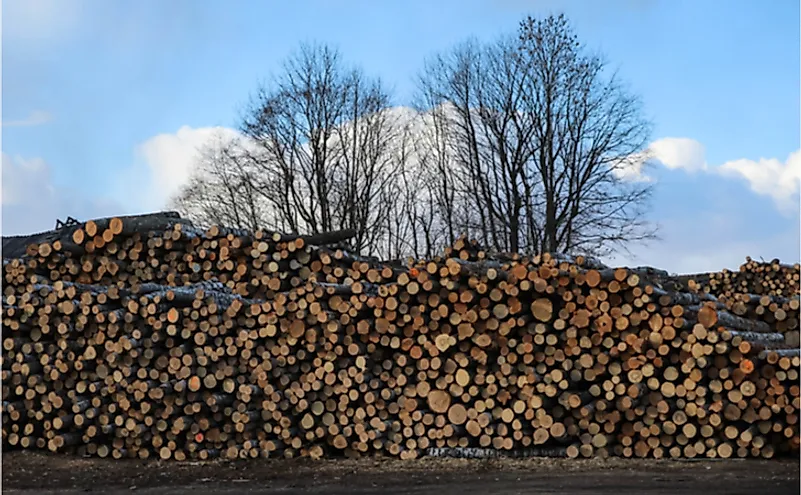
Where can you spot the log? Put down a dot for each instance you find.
(710, 317)
(183, 343)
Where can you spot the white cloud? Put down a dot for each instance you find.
(767, 176)
(632, 168)
(167, 160)
(36, 117)
(679, 153)
(164, 163)
(770, 177)
(31, 202)
(672, 153)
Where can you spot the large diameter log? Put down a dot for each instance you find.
(711, 317)
(439, 401)
(159, 221)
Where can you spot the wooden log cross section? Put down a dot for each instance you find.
(146, 337)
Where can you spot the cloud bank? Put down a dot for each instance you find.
(680, 153)
(162, 164)
(771, 177)
(166, 161)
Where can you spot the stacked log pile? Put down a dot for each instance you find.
(761, 278)
(762, 290)
(147, 337)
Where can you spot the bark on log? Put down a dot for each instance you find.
(710, 318)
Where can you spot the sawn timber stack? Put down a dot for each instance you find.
(147, 337)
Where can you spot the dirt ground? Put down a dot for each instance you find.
(37, 473)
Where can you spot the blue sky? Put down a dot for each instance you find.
(103, 99)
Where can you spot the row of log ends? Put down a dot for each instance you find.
(147, 337)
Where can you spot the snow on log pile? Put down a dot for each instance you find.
(142, 337)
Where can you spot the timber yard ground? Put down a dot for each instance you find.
(38, 473)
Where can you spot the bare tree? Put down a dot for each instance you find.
(404, 193)
(489, 129)
(323, 136)
(538, 133)
(523, 143)
(222, 187)
(587, 129)
(366, 150)
(418, 187)
(435, 181)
